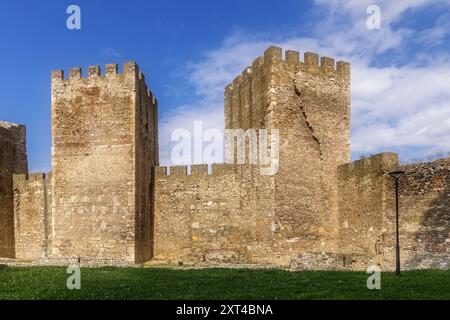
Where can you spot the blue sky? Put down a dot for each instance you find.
(189, 50)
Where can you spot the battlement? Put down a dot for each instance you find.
(311, 63)
(22, 182)
(201, 170)
(247, 97)
(380, 163)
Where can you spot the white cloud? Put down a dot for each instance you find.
(405, 106)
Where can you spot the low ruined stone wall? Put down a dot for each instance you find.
(32, 216)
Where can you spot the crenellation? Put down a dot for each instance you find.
(112, 69)
(236, 111)
(246, 99)
(37, 177)
(161, 171)
(228, 98)
(258, 63)
(237, 82)
(363, 165)
(130, 67)
(257, 93)
(343, 69)
(76, 73)
(311, 61)
(222, 169)
(199, 170)
(22, 182)
(379, 163)
(273, 55)
(94, 71)
(247, 72)
(327, 65)
(229, 89)
(178, 171)
(58, 75)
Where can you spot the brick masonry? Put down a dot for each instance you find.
(107, 201)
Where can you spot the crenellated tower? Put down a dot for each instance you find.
(309, 103)
(104, 144)
(13, 160)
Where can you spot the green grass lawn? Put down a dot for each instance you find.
(218, 284)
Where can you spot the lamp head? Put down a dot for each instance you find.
(396, 174)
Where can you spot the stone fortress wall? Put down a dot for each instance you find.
(367, 212)
(309, 103)
(32, 219)
(107, 200)
(13, 160)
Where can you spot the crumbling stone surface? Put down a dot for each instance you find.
(424, 217)
(222, 217)
(330, 261)
(32, 197)
(13, 160)
(104, 146)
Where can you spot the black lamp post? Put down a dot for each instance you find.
(396, 175)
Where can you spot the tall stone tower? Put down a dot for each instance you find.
(13, 160)
(309, 103)
(104, 144)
